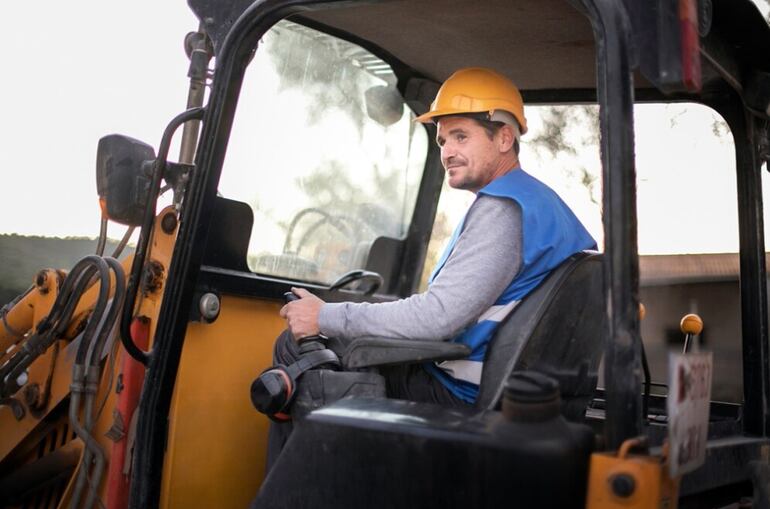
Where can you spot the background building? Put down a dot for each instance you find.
(707, 284)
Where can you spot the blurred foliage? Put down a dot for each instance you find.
(569, 130)
(302, 57)
(333, 73)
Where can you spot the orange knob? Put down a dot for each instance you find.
(642, 311)
(691, 324)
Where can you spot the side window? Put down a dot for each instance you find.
(325, 152)
(688, 237)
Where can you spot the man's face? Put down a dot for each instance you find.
(469, 157)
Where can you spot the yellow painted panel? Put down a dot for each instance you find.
(217, 440)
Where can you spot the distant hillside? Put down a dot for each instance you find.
(22, 257)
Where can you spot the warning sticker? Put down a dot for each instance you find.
(688, 410)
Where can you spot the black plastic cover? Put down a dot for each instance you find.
(377, 453)
(229, 234)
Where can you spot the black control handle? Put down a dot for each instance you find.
(291, 297)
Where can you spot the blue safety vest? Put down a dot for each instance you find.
(551, 233)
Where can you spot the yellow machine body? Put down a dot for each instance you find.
(624, 480)
(216, 440)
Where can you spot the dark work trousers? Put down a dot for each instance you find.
(409, 381)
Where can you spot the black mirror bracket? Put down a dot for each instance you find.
(158, 170)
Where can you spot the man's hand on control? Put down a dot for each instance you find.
(302, 314)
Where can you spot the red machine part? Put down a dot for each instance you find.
(132, 378)
(691, 68)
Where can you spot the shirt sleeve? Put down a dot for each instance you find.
(485, 259)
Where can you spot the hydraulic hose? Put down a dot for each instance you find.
(102, 236)
(91, 347)
(91, 386)
(92, 357)
(55, 324)
(101, 304)
(92, 379)
(89, 441)
(122, 245)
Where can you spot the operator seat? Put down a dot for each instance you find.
(558, 329)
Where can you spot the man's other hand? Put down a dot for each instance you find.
(302, 314)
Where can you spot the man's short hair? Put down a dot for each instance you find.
(493, 126)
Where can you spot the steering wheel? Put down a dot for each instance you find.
(375, 280)
(350, 227)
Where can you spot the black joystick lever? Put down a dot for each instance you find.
(307, 343)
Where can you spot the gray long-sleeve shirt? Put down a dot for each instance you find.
(485, 259)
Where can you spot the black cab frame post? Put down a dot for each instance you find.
(622, 360)
(753, 273)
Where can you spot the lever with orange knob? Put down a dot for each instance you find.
(690, 325)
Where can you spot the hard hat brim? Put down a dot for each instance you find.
(431, 117)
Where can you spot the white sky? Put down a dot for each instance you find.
(77, 71)
(73, 72)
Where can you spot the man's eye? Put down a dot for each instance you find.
(461, 137)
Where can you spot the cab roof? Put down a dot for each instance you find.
(538, 44)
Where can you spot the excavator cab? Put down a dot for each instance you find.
(128, 382)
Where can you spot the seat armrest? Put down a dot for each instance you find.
(369, 352)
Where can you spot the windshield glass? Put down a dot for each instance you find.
(325, 152)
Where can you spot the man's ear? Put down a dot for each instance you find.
(506, 138)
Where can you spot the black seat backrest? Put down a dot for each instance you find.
(558, 329)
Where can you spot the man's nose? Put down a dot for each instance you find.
(447, 151)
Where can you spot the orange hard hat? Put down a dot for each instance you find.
(477, 90)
